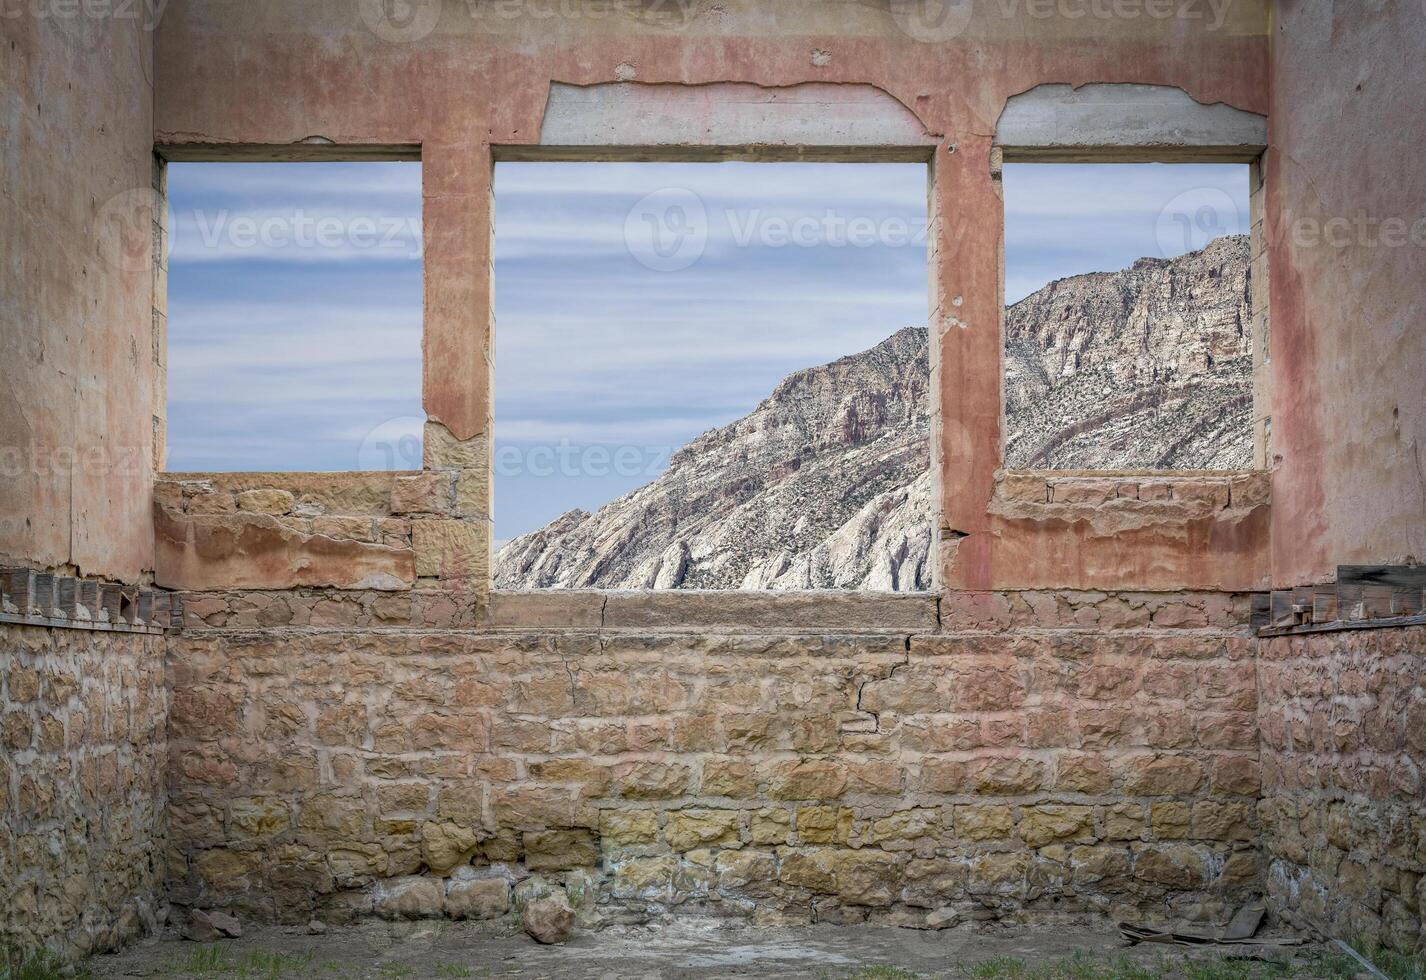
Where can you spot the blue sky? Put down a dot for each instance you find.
(637, 305)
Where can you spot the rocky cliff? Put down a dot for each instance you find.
(1147, 368)
(825, 485)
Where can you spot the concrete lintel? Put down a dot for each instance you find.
(756, 153)
(730, 115)
(1126, 123)
(304, 152)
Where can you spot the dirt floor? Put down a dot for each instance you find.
(416, 951)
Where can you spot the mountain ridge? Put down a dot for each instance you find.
(826, 482)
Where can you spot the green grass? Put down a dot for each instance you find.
(884, 973)
(43, 965)
(257, 964)
(1398, 966)
(453, 970)
(1088, 966)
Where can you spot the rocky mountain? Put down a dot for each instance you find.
(825, 485)
(1147, 368)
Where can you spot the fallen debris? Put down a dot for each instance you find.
(207, 927)
(548, 920)
(1240, 930)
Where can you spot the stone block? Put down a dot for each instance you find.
(560, 850)
(469, 897)
(770, 827)
(424, 493)
(1052, 823)
(810, 780)
(444, 846)
(451, 549)
(409, 898)
(689, 829)
(275, 502)
(824, 825)
(983, 822)
(628, 828)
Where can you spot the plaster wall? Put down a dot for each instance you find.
(1348, 352)
(469, 81)
(76, 288)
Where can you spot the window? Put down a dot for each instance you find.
(711, 376)
(1128, 332)
(294, 316)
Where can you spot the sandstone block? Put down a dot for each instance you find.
(1163, 775)
(336, 816)
(424, 493)
(732, 778)
(739, 869)
(451, 549)
(1051, 822)
(628, 828)
(559, 850)
(998, 874)
(548, 920)
(824, 824)
(865, 877)
(645, 878)
(1169, 821)
(1124, 821)
(258, 816)
(770, 827)
(1176, 866)
(469, 897)
(905, 826)
(688, 829)
(442, 450)
(812, 780)
(409, 898)
(976, 822)
(1006, 776)
(1095, 864)
(1221, 820)
(446, 845)
(275, 502)
(1087, 774)
(652, 780)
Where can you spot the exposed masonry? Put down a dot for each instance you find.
(1013, 754)
(1343, 729)
(83, 808)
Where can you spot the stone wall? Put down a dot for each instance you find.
(82, 794)
(1343, 719)
(779, 770)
